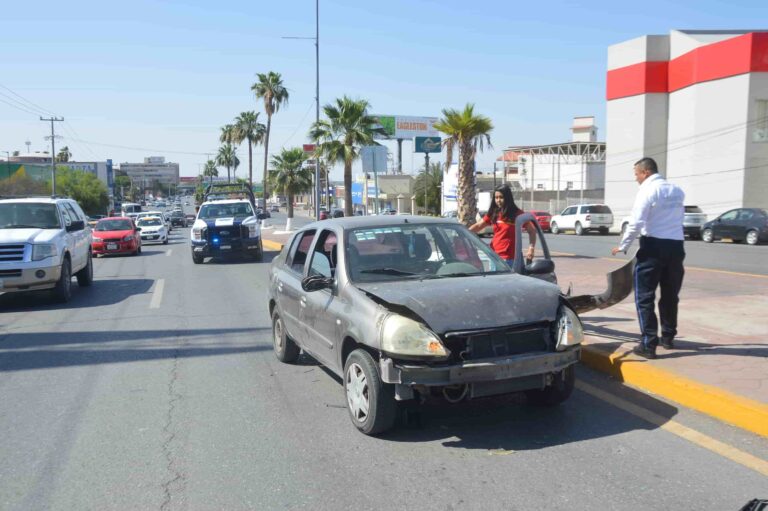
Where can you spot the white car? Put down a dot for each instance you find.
(44, 242)
(164, 216)
(153, 229)
(583, 218)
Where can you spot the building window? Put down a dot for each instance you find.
(760, 133)
(569, 185)
(539, 186)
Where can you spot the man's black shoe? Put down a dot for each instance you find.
(668, 344)
(644, 352)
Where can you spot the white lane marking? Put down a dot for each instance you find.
(691, 435)
(157, 294)
(169, 252)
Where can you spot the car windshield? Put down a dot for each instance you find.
(414, 251)
(145, 222)
(114, 225)
(239, 209)
(597, 209)
(28, 215)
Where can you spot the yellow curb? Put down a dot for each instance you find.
(725, 406)
(271, 245)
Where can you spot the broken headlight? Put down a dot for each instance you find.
(406, 337)
(570, 331)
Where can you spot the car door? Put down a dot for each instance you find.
(319, 309)
(288, 283)
(725, 225)
(82, 236)
(568, 218)
(742, 223)
(69, 236)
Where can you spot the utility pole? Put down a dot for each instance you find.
(426, 169)
(53, 151)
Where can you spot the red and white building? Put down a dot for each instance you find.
(696, 102)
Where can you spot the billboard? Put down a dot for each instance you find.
(401, 126)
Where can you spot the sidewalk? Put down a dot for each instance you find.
(720, 366)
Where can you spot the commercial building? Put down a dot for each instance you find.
(154, 168)
(697, 102)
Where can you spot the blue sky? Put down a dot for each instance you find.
(142, 78)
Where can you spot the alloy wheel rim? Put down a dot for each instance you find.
(358, 398)
(278, 336)
(751, 238)
(707, 235)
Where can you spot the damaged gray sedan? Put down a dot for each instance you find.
(420, 308)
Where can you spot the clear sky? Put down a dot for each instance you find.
(140, 78)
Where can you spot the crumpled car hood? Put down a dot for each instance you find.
(468, 303)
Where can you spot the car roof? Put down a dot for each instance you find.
(357, 222)
(39, 200)
(227, 201)
(116, 218)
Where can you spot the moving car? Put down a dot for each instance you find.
(416, 308)
(152, 229)
(44, 242)
(543, 218)
(274, 208)
(116, 235)
(337, 213)
(583, 218)
(742, 224)
(178, 219)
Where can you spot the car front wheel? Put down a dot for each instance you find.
(559, 391)
(63, 290)
(370, 402)
(554, 229)
(85, 276)
(707, 236)
(579, 229)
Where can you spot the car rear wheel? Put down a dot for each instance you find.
(63, 290)
(85, 276)
(559, 391)
(554, 229)
(286, 350)
(752, 238)
(579, 229)
(370, 402)
(707, 236)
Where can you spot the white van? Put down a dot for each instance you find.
(130, 207)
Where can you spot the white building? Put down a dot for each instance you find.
(696, 102)
(154, 168)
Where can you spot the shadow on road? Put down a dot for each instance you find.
(101, 292)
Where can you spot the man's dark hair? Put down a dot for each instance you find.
(648, 164)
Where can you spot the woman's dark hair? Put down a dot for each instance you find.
(510, 208)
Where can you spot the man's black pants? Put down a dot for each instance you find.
(659, 264)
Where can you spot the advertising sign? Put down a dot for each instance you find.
(427, 145)
(401, 126)
(357, 193)
(308, 148)
(110, 176)
(374, 158)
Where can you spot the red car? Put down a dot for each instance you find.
(116, 235)
(543, 218)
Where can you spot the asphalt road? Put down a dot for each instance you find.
(157, 388)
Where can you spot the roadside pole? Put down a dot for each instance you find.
(426, 169)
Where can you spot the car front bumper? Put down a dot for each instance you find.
(122, 247)
(224, 247)
(26, 279)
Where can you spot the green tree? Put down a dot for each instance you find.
(227, 157)
(21, 184)
(247, 127)
(289, 176)
(348, 127)
(210, 171)
(64, 155)
(471, 132)
(270, 88)
(84, 187)
(431, 178)
(227, 134)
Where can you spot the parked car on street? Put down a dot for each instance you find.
(152, 229)
(693, 220)
(583, 218)
(543, 218)
(116, 235)
(44, 242)
(416, 308)
(274, 208)
(337, 213)
(742, 224)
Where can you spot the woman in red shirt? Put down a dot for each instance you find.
(502, 216)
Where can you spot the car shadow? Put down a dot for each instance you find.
(36, 350)
(101, 292)
(267, 257)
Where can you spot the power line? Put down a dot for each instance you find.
(38, 107)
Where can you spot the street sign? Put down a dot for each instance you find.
(427, 145)
(308, 148)
(374, 158)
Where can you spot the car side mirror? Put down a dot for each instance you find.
(316, 283)
(540, 267)
(76, 225)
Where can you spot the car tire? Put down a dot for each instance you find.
(197, 258)
(260, 255)
(165, 241)
(752, 237)
(707, 235)
(63, 290)
(578, 229)
(286, 350)
(370, 402)
(554, 229)
(559, 391)
(85, 276)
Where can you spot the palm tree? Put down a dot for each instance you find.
(227, 134)
(470, 132)
(289, 176)
(227, 157)
(64, 155)
(247, 127)
(347, 128)
(210, 170)
(431, 179)
(270, 87)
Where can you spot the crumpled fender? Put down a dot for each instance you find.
(620, 284)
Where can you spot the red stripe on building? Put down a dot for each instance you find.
(747, 53)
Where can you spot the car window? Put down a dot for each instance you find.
(324, 256)
(65, 213)
(596, 209)
(72, 212)
(149, 221)
(569, 211)
(114, 225)
(693, 209)
(19, 215)
(731, 215)
(746, 214)
(298, 255)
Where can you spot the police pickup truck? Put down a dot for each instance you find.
(226, 224)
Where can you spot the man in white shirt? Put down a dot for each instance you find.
(657, 217)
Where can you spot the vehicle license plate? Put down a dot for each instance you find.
(226, 247)
(111, 246)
